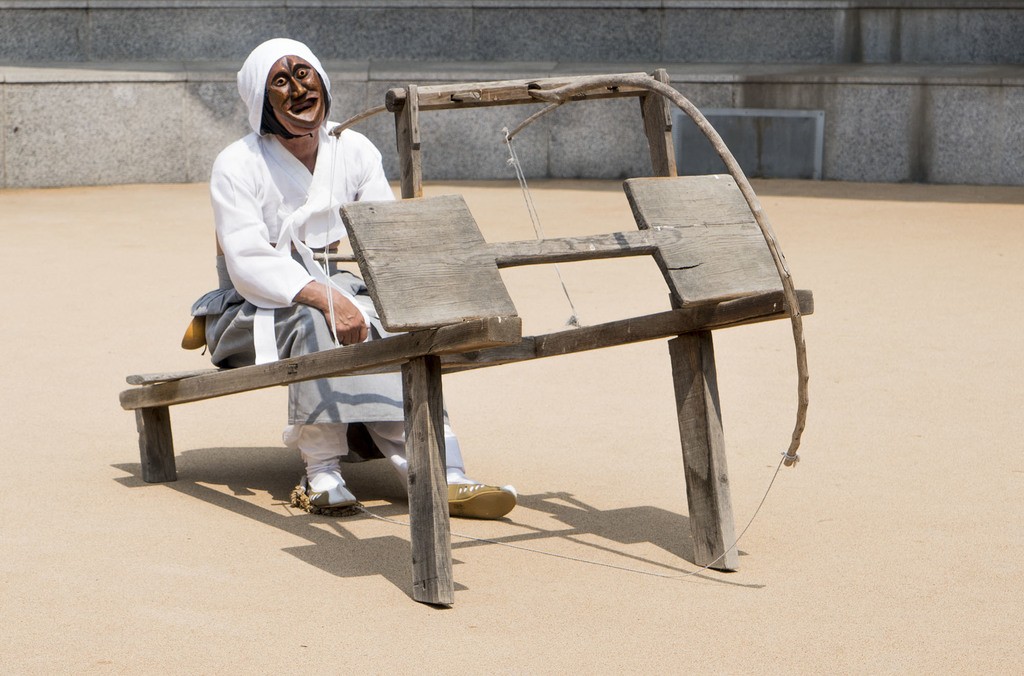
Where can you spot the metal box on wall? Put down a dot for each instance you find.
(767, 143)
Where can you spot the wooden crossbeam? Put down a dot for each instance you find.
(569, 249)
(497, 93)
(339, 361)
(727, 314)
(738, 312)
(165, 376)
(557, 249)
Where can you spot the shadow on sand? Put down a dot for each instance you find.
(244, 472)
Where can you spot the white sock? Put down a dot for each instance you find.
(323, 481)
(390, 439)
(456, 477)
(321, 447)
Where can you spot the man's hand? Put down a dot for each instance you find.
(348, 320)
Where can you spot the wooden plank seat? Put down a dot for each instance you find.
(432, 275)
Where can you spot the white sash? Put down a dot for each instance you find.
(313, 219)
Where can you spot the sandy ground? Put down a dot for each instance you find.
(895, 546)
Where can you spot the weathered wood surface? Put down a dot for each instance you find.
(335, 257)
(497, 93)
(738, 312)
(339, 361)
(425, 262)
(560, 249)
(590, 247)
(164, 376)
(546, 251)
(428, 487)
(407, 136)
(727, 314)
(568, 249)
(658, 129)
(563, 249)
(156, 445)
(700, 429)
(722, 253)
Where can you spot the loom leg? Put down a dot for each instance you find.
(156, 446)
(658, 128)
(407, 135)
(700, 429)
(428, 486)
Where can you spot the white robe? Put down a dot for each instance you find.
(266, 204)
(257, 188)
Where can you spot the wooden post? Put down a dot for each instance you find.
(156, 446)
(700, 429)
(658, 128)
(428, 486)
(407, 132)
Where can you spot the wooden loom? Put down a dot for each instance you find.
(707, 240)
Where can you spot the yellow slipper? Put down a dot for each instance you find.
(477, 501)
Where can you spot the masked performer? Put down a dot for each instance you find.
(276, 195)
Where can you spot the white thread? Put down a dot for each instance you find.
(327, 245)
(513, 161)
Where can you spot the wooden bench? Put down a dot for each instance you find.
(432, 275)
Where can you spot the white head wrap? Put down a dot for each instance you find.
(252, 78)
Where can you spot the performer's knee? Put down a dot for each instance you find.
(308, 330)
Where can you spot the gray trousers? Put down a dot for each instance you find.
(301, 330)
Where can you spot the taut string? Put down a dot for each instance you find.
(513, 161)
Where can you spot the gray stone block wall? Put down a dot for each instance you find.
(213, 112)
(913, 90)
(953, 35)
(878, 38)
(42, 33)
(666, 31)
(568, 34)
(78, 126)
(758, 34)
(3, 137)
(382, 32)
(49, 142)
(173, 34)
(870, 131)
(963, 148)
(599, 139)
(1013, 136)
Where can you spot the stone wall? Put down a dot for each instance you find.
(106, 91)
(86, 126)
(664, 31)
